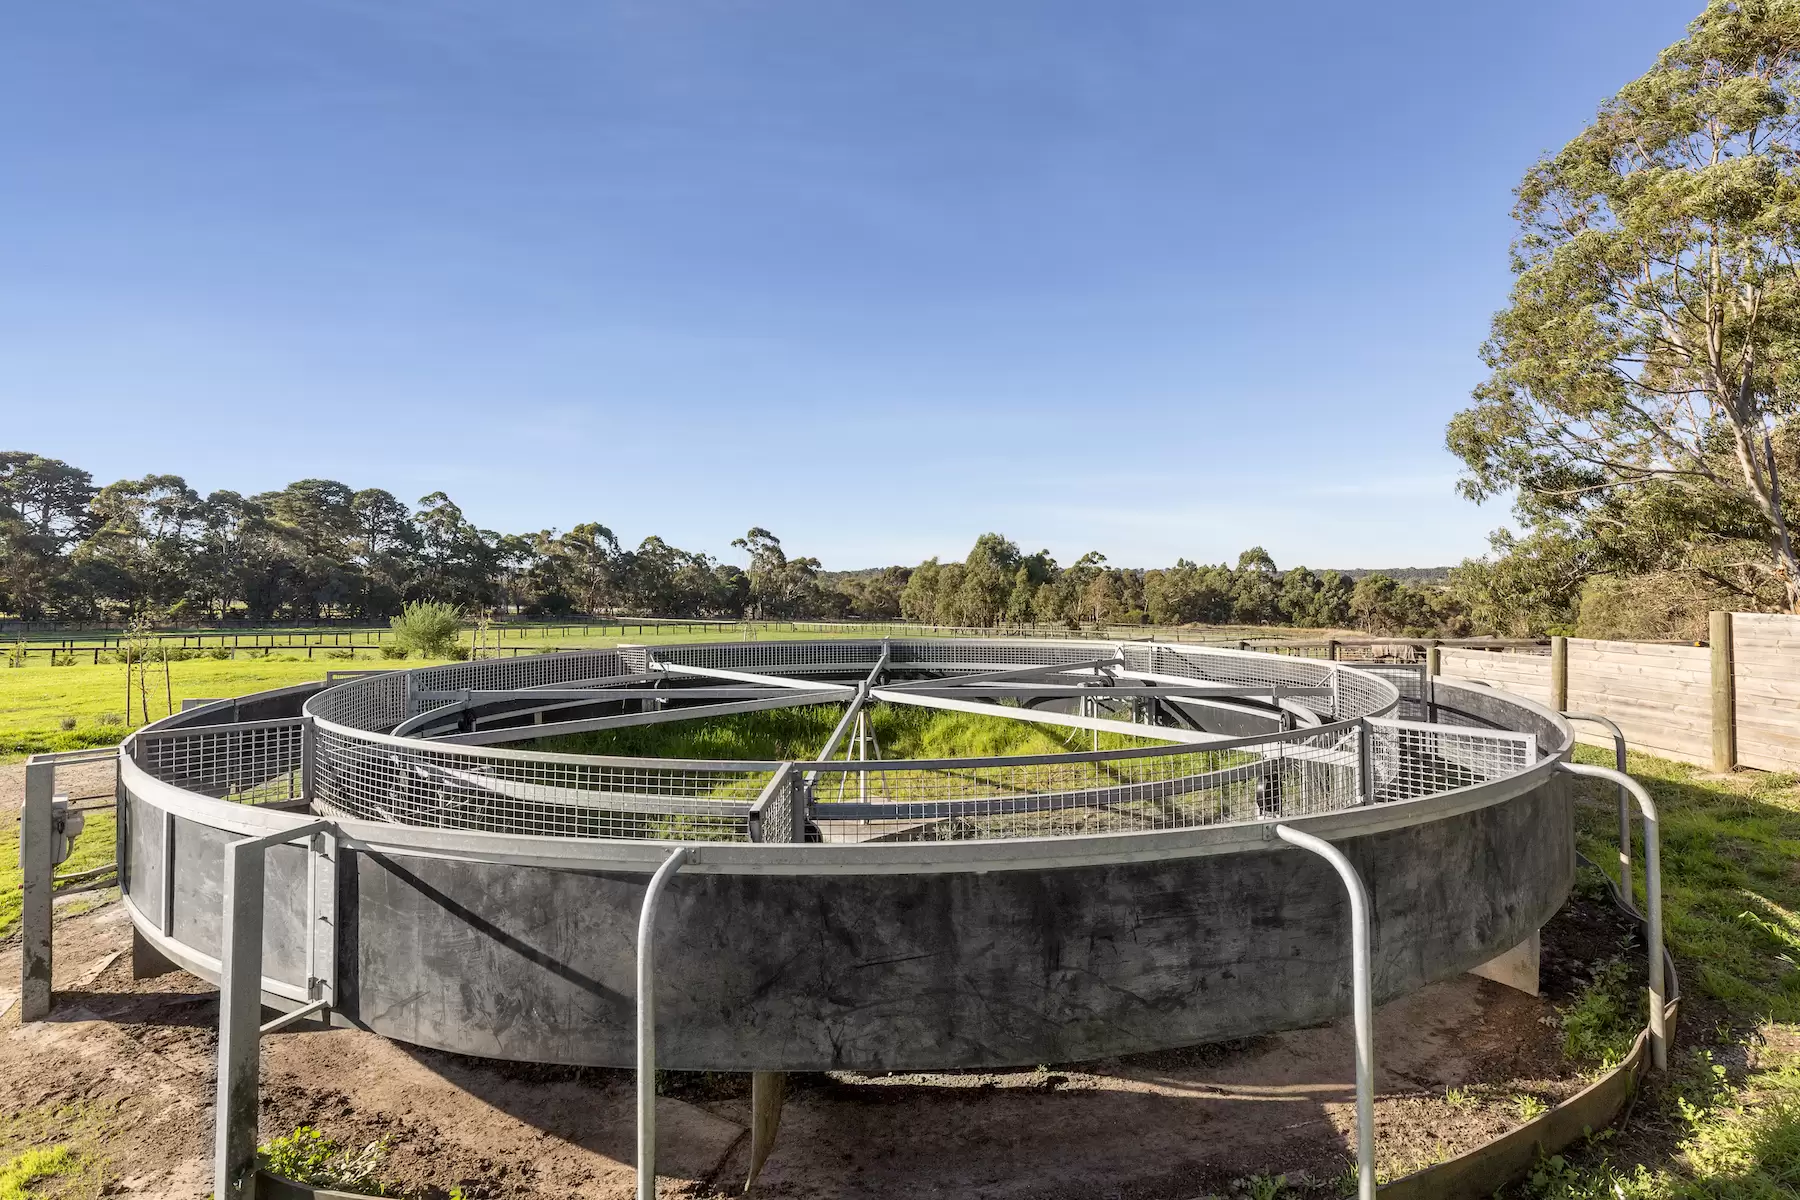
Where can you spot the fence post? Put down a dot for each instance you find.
(1365, 762)
(797, 793)
(309, 760)
(1559, 673)
(240, 1021)
(36, 835)
(1724, 700)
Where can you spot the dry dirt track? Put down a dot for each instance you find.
(132, 1065)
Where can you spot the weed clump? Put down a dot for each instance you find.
(308, 1156)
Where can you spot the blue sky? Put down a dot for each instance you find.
(1158, 279)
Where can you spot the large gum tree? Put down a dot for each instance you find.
(1652, 343)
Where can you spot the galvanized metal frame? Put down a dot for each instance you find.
(1625, 800)
(1653, 924)
(1362, 1002)
(240, 1009)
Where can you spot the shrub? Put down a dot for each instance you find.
(390, 651)
(111, 719)
(62, 660)
(428, 629)
(219, 652)
(308, 1156)
(341, 655)
(67, 723)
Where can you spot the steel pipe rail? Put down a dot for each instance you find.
(1362, 1006)
(1659, 1041)
(1619, 755)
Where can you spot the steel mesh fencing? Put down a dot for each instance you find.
(1292, 774)
(1412, 760)
(253, 763)
(1409, 680)
(1297, 774)
(553, 796)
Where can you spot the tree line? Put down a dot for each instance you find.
(156, 549)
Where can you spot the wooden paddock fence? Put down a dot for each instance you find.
(1734, 701)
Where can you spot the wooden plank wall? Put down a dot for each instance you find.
(1765, 678)
(1527, 675)
(1661, 696)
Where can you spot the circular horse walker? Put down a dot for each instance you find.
(1280, 841)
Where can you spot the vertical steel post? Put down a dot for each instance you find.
(799, 795)
(1365, 762)
(646, 1022)
(1361, 999)
(1653, 932)
(309, 760)
(240, 1022)
(37, 836)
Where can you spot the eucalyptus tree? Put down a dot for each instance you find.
(1652, 342)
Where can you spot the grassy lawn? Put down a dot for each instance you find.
(902, 731)
(38, 700)
(92, 849)
(1725, 1122)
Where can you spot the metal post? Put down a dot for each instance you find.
(240, 1020)
(240, 1012)
(36, 850)
(646, 1022)
(309, 760)
(1659, 1042)
(1618, 735)
(1362, 1003)
(799, 795)
(1365, 762)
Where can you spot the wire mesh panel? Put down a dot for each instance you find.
(1413, 760)
(252, 763)
(361, 773)
(556, 796)
(1409, 679)
(1295, 774)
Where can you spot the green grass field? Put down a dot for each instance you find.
(38, 700)
(902, 731)
(1725, 1123)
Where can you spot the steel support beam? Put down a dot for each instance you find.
(787, 699)
(1065, 720)
(805, 685)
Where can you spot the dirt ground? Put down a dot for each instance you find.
(124, 1071)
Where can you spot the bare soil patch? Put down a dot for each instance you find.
(129, 1065)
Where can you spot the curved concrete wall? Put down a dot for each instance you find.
(916, 972)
